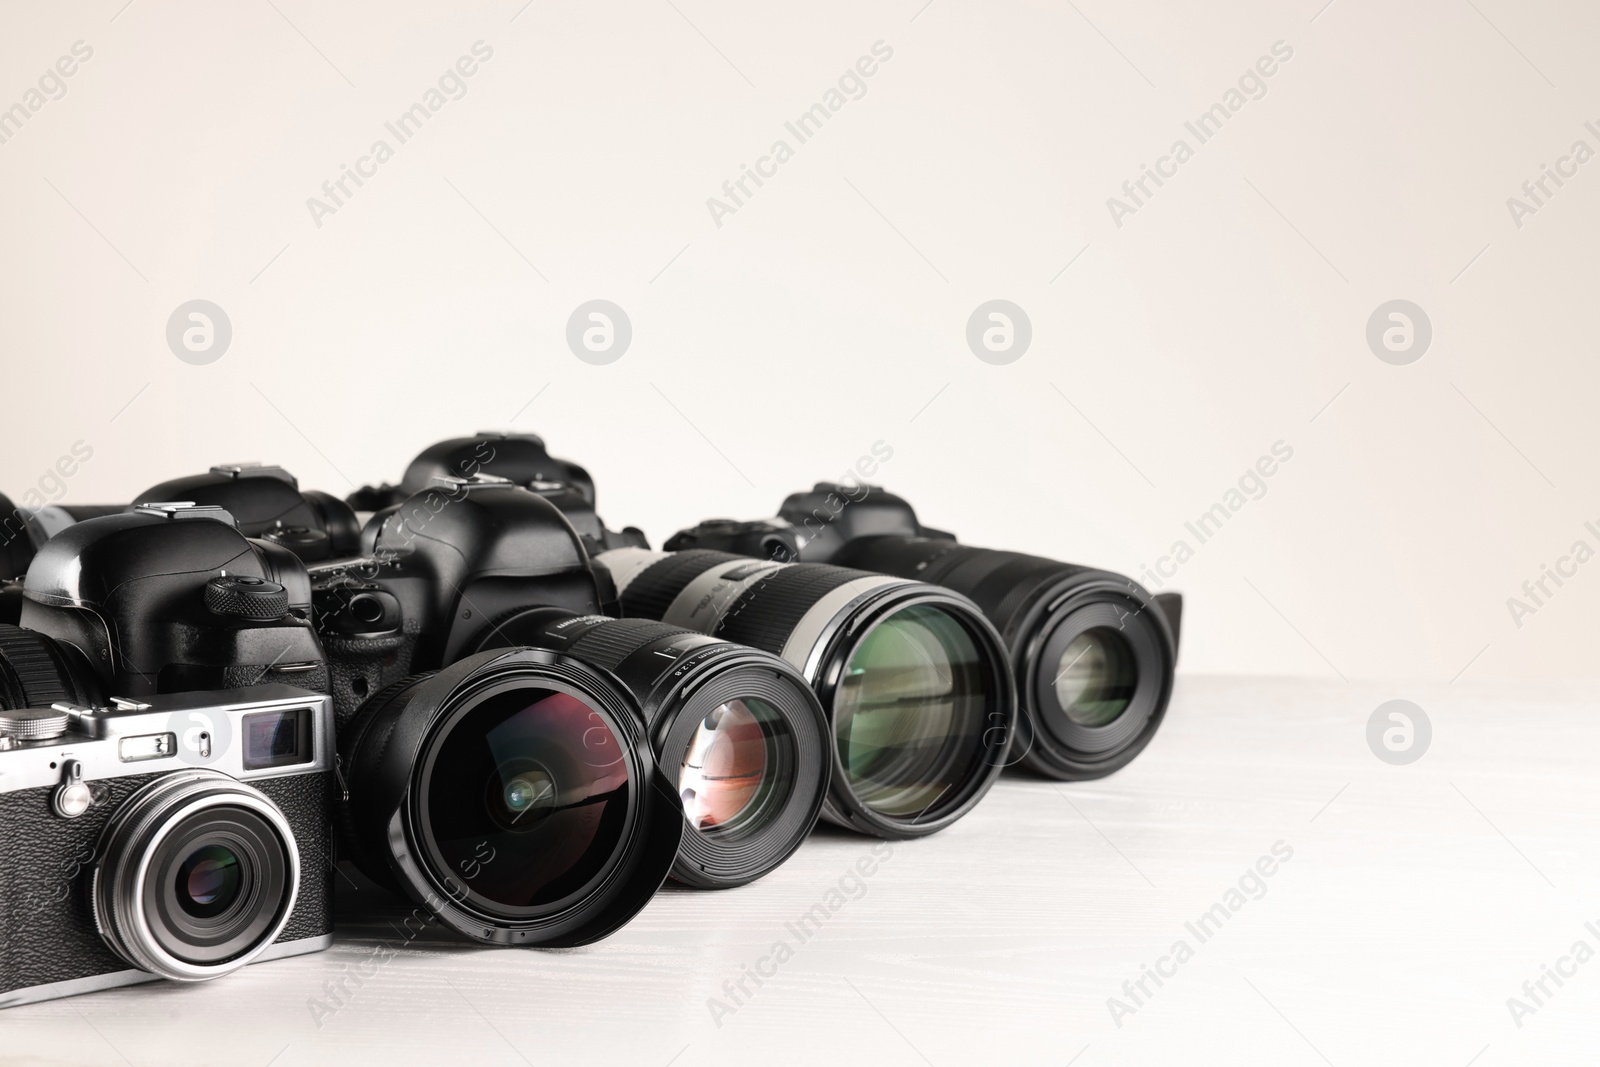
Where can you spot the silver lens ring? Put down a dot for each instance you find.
(132, 840)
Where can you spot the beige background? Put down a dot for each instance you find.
(829, 312)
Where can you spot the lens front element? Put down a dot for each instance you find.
(545, 808)
(1095, 677)
(741, 755)
(209, 881)
(910, 711)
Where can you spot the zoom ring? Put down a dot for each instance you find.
(767, 613)
(608, 644)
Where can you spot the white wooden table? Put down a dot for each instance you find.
(1417, 900)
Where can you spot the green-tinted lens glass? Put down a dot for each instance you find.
(909, 713)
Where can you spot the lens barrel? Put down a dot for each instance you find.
(514, 795)
(738, 730)
(1091, 652)
(37, 671)
(913, 678)
(198, 875)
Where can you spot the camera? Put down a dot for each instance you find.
(187, 817)
(166, 598)
(177, 836)
(912, 677)
(267, 502)
(518, 458)
(510, 791)
(478, 563)
(261, 501)
(521, 459)
(1092, 653)
(444, 567)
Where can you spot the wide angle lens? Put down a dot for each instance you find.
(1095, 678)
(909, 711)
(552, 803)
(530, 806)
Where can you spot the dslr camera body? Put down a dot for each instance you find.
(166, 758)
(521, 459)
(445, 570)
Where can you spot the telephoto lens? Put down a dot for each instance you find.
(1092, 651)
(912, 677)
(514, 795)
(738, 729)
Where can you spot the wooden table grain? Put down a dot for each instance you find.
(1258, 887)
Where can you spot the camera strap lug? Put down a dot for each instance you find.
(338, 773)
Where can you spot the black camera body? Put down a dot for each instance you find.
(267, 502)
(521, 459)
(181, 837)
(166, 598)
(447, 567)
(261, 501)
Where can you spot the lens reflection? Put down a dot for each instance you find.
(208, 881)
(1095, 677)
(527, 798)
(726, 765)
(910, 710)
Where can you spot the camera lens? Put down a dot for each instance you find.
(1091, 651)
(914, 679)
(523, 786)
(37, 671)
(1095, 677)
(910, 711)
(739, 730)
(208, 881)
(199, 875)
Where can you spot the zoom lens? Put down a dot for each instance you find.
(529, 807)
(910, 704)
(198, 876)
(914, 680)
(738, 732)
(1091, 651)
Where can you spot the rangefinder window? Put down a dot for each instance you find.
(277, 739)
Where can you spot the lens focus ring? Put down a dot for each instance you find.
(32, 671)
